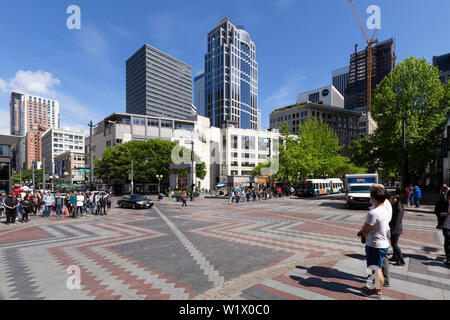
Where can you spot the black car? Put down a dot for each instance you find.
(135, 201)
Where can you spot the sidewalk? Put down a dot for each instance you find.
(423, 209)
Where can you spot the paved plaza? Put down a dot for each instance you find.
(290, 249)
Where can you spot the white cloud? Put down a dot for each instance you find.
(72, 112)
(38, 83)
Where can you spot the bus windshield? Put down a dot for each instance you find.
(360, 189)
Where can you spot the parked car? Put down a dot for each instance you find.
(135, 201)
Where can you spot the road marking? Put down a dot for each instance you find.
(205, 265)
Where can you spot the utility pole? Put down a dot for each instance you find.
(405, 174)
(192, 171)
(91, 156)
(32, 169)
(43, 175)
(20, 176)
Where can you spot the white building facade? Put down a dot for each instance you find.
(58, 141)
(225, 151)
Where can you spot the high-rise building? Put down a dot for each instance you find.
(27, 111)
(231, 77)
(199, 93)
(57, 141)
(383, 62)
(158, 84)
(443, 63)
(340, 79)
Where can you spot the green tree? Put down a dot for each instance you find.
(314, 151)
(27, 175)
(412, 91)
(151, 158)
(257, 170)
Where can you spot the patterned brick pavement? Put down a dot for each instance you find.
(279, 249)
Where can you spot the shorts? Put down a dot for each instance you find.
(375, 257)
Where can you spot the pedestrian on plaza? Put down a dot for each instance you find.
(279, 192)
(48, 199)
(396, 226)
(441, 206)
(80, 203)
(35, 201)
(73, 204)
(2, 205)
(445, 217)
(374, 234)
(10, 204)
(108, 202)
(258, 193)
(184, 199)
(411, 198)
(26, 209)
(19, 206)
(238, 196)
(102, 204)
(59, 205)
(67, 204)
(417, 196)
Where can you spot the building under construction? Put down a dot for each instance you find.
(383, 62)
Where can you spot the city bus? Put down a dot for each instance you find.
(336, 185)
(313, 187)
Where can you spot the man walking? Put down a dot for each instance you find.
(10, 204)
(446, 230)
(374, 234)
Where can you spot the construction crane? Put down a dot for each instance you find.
(370, 43)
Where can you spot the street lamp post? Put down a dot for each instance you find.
(132, 174)
(159, 177)
(405, 175)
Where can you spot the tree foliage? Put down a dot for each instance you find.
(314, 151)
(27, 175)
(413, 90)
(151, 158)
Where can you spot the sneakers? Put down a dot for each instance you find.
(367, 292)
(400, 263)
(376, 296)
(386, 284)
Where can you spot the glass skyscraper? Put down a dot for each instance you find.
(231, 77)
(199, 93)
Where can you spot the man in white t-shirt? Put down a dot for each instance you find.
(376, 234)
(80, 203)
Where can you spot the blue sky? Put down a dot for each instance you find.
(298, 43)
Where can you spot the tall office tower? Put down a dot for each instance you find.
(383, 62)
(199, 93)
(158, 84)
(443, 63)
(231, 77)
(340, 79)
(27, 111)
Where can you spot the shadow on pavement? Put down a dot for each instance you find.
(329, 286)
(326, 272)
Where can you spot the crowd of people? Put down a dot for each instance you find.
(73, 204)
(384, 226)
